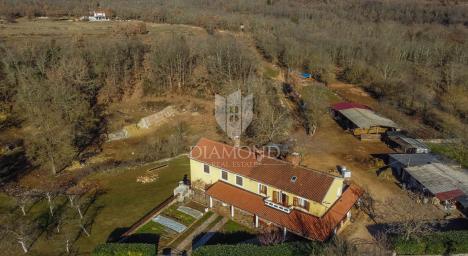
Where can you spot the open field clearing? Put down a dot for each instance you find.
(25, 30)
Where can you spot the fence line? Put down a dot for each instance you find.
(145, 219)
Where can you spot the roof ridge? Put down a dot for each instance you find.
(269, 157)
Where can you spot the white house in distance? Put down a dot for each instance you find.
(98, 16)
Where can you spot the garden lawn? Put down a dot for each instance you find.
(191, 229)
(232, 226)
(232, 233)
(165, 235)
(162, 234)
(151, 227)
(177, 215)
(125, 201)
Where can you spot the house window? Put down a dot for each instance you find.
(206, 168)
(338, 192)
(224, 175)
(301, 202)
(276, 197)
(262, 189)
(239, 180)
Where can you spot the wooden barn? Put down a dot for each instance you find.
(361, 120)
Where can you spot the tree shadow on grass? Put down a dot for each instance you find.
(226, 238)
(116, 235)
(13, 166)
(144, 238)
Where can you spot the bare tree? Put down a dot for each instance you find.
(18, 229)
(68, 232)
(76, 191)
(50, 187)
(410, 221)
(172, 63)
(341, 247)
(22, 195)
(383, 244)
(367, 205)
(314, 106)
(50, 143)
(272, 121)
(82, 225)
(270, 235)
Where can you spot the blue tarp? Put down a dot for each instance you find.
(306, 75)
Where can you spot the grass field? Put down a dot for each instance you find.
(123, 203)
(232, 233)
(47, 29)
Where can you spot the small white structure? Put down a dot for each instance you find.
(98, 16)
(118, 135)
(158, 118)
(345, 173)
(182, 191)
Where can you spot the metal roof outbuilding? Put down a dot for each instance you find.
(366, 118)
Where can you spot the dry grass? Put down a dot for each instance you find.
(69, 29)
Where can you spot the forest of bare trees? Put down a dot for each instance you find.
(409, 54)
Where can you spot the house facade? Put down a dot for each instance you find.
(300, 200)
(98, 16)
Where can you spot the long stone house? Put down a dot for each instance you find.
(270, 191)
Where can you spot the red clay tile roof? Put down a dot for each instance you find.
(309, 184)
(297, 221)
(348, 105)
(449, 195)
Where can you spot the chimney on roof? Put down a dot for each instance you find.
(295, 158)
(258, 155)
(236, 140)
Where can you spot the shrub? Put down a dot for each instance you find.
(115, 249)
(285, 249)
(436, 243)
(409, 247)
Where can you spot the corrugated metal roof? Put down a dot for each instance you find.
(348, 105)
(414, 142)
(439, 178)
(413, 159)
(366, 118)
(402, 139)
(463, 200)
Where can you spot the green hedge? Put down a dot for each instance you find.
(285, 249)
(115, 249)
(436, 243)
